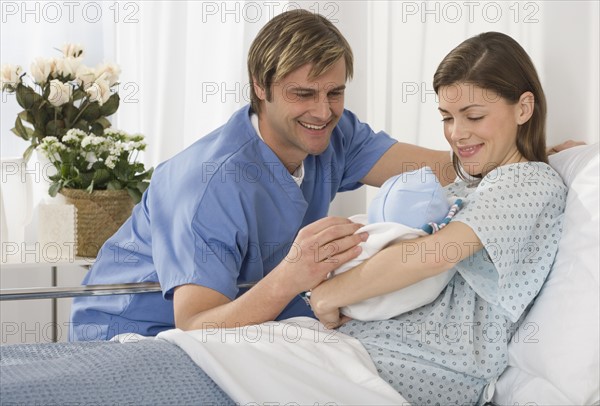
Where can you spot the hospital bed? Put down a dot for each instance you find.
(554, 356)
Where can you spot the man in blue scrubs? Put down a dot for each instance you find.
(248, 203)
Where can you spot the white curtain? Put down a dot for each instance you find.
(184, 67)
(184, 63)
(402, 42)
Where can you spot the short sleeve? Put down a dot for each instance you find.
(516, 211)
(362, 148)
(191, 246)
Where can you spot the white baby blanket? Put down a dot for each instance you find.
(394, 303)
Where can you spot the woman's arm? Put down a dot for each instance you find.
(394, 268)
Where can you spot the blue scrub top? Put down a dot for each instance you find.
(223, 211)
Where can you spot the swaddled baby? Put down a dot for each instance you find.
(407, 206)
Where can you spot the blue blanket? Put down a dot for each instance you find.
(147, 372)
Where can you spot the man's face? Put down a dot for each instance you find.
(302, 113)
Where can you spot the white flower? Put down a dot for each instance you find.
(90, 157)
(99, 91)
(73, 136)
(134, 146)
(53, 70)
(85, 75)
(49, 140)
(76, 132)
(112, 131)
(11, 77)
(110, 71)
(92, 140)
(67, 67)
(60, 93)
(111, 161)
(41, 68)
(137, 138)
(116, 150)
(72, 50)
(50, 147)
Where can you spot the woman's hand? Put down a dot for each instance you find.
(330, 316)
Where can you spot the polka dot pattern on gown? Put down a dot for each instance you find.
(447, 351)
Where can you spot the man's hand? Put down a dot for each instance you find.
(319, 248)
(565, 145)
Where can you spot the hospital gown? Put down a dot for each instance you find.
(447, 351)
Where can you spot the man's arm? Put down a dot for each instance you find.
(402, 157)
(563, 146)
(318, 249)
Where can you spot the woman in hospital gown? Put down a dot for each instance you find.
(502, 243)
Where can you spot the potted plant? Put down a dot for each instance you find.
(66, 106)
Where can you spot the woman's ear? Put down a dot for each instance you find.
(525, 107)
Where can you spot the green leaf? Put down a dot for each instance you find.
(83, 125)
(135, 194)
(90, 188)
(26, 97)
(79, 94)
(97, 129)
(46, 92)
(91, 112)
(54, 188)
(111, 105)
(20, 129)
(53, 128)
(103, 121)
(38, 134)
(101, 176)
(27, 116)
(142, 186)
(86, 179)
(28, 152)
(40, 117)
(70, 112)
(114, 185)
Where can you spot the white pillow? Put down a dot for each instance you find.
(554, 355)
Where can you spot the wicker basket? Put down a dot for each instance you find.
(99, 216)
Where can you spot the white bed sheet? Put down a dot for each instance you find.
(296, 361)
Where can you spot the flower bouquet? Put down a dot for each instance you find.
(90, 162)
(65, 108)
(62, 93)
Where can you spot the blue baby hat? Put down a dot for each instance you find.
(411, 198)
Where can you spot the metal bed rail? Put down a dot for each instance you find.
(85, 290)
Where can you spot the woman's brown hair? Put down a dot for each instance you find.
(496, 62)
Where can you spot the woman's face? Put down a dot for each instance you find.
(481, 127)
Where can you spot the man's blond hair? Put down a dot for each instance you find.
(289, 41)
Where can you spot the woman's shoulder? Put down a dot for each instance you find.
(528, 175)
(523, 173)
